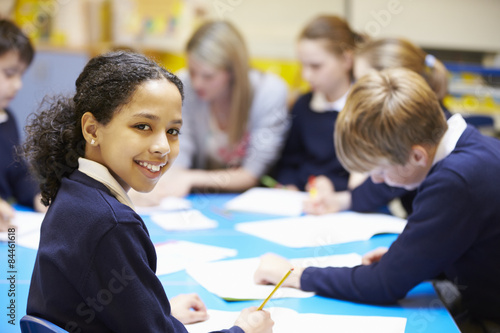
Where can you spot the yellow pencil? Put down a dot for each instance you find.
(275, 288)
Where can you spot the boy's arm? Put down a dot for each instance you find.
(370, 197)
(437, 234)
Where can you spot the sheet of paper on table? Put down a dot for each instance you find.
(233, 279)
(311, 230)
(174, 256)
(27, 226)
(168, 204)
(288, 320)
(269, 201)
(190, 219)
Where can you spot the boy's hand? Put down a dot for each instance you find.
(188, 308)
(373, 256)
(253, 321)
(7, 213)
(272, 268)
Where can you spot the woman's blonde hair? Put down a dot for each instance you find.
(220, 45)
(397, 52)
(387, 113)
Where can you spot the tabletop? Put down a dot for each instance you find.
(422, 307)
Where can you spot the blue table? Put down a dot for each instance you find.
(422, 308)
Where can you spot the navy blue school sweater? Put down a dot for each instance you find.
(309, 149)
(95, 266)
(454, 229)
(15, 180)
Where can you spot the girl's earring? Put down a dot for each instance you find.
(92, 142)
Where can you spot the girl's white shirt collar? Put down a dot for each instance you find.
(320, 104)
(100, 173)
(456, 127)
(3, 116)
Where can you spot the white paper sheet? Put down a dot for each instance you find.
(311, 231)
(233, 279)
(191, 219)
(174, 256)
(269, 201)
(168, 204)
(27, 226)
(288, 320)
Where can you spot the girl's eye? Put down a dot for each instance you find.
(9, 73)
(143, 127)
(173, 131)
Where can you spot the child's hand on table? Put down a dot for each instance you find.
(6, 215)
(374, 256)
(325, 200)
(188, 308)
(271, 270)
(252, 320)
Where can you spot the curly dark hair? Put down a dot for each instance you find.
(54, 134)
(13, 39)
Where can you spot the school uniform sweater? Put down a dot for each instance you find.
(454, 229)
(309, 149)
(95, 266)
(15, 180)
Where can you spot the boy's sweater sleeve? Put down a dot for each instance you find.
(437, 234)
(369, 197)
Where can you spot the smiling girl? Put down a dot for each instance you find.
(95, 267)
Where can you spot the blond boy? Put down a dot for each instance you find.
(393, 128)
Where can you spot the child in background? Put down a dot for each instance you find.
(16, 185)
(392, 127)
(325, 50)
(375, 56)
(95, 266)
(235, 117)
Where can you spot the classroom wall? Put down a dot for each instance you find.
(82, 28)
(271, 28)
(51, 73)
(442, 24)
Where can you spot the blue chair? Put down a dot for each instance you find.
(32, 324)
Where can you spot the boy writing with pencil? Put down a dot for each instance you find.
(392, 127)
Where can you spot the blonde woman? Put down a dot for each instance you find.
(235, 117)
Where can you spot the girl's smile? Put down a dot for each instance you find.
(141, 141)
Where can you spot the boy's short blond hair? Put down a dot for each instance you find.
(387, 113)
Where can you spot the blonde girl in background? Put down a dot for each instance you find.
(235, 117)
(378, 55)
(398, 52)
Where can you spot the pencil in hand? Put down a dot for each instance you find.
(275, 288)
(269, 181)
